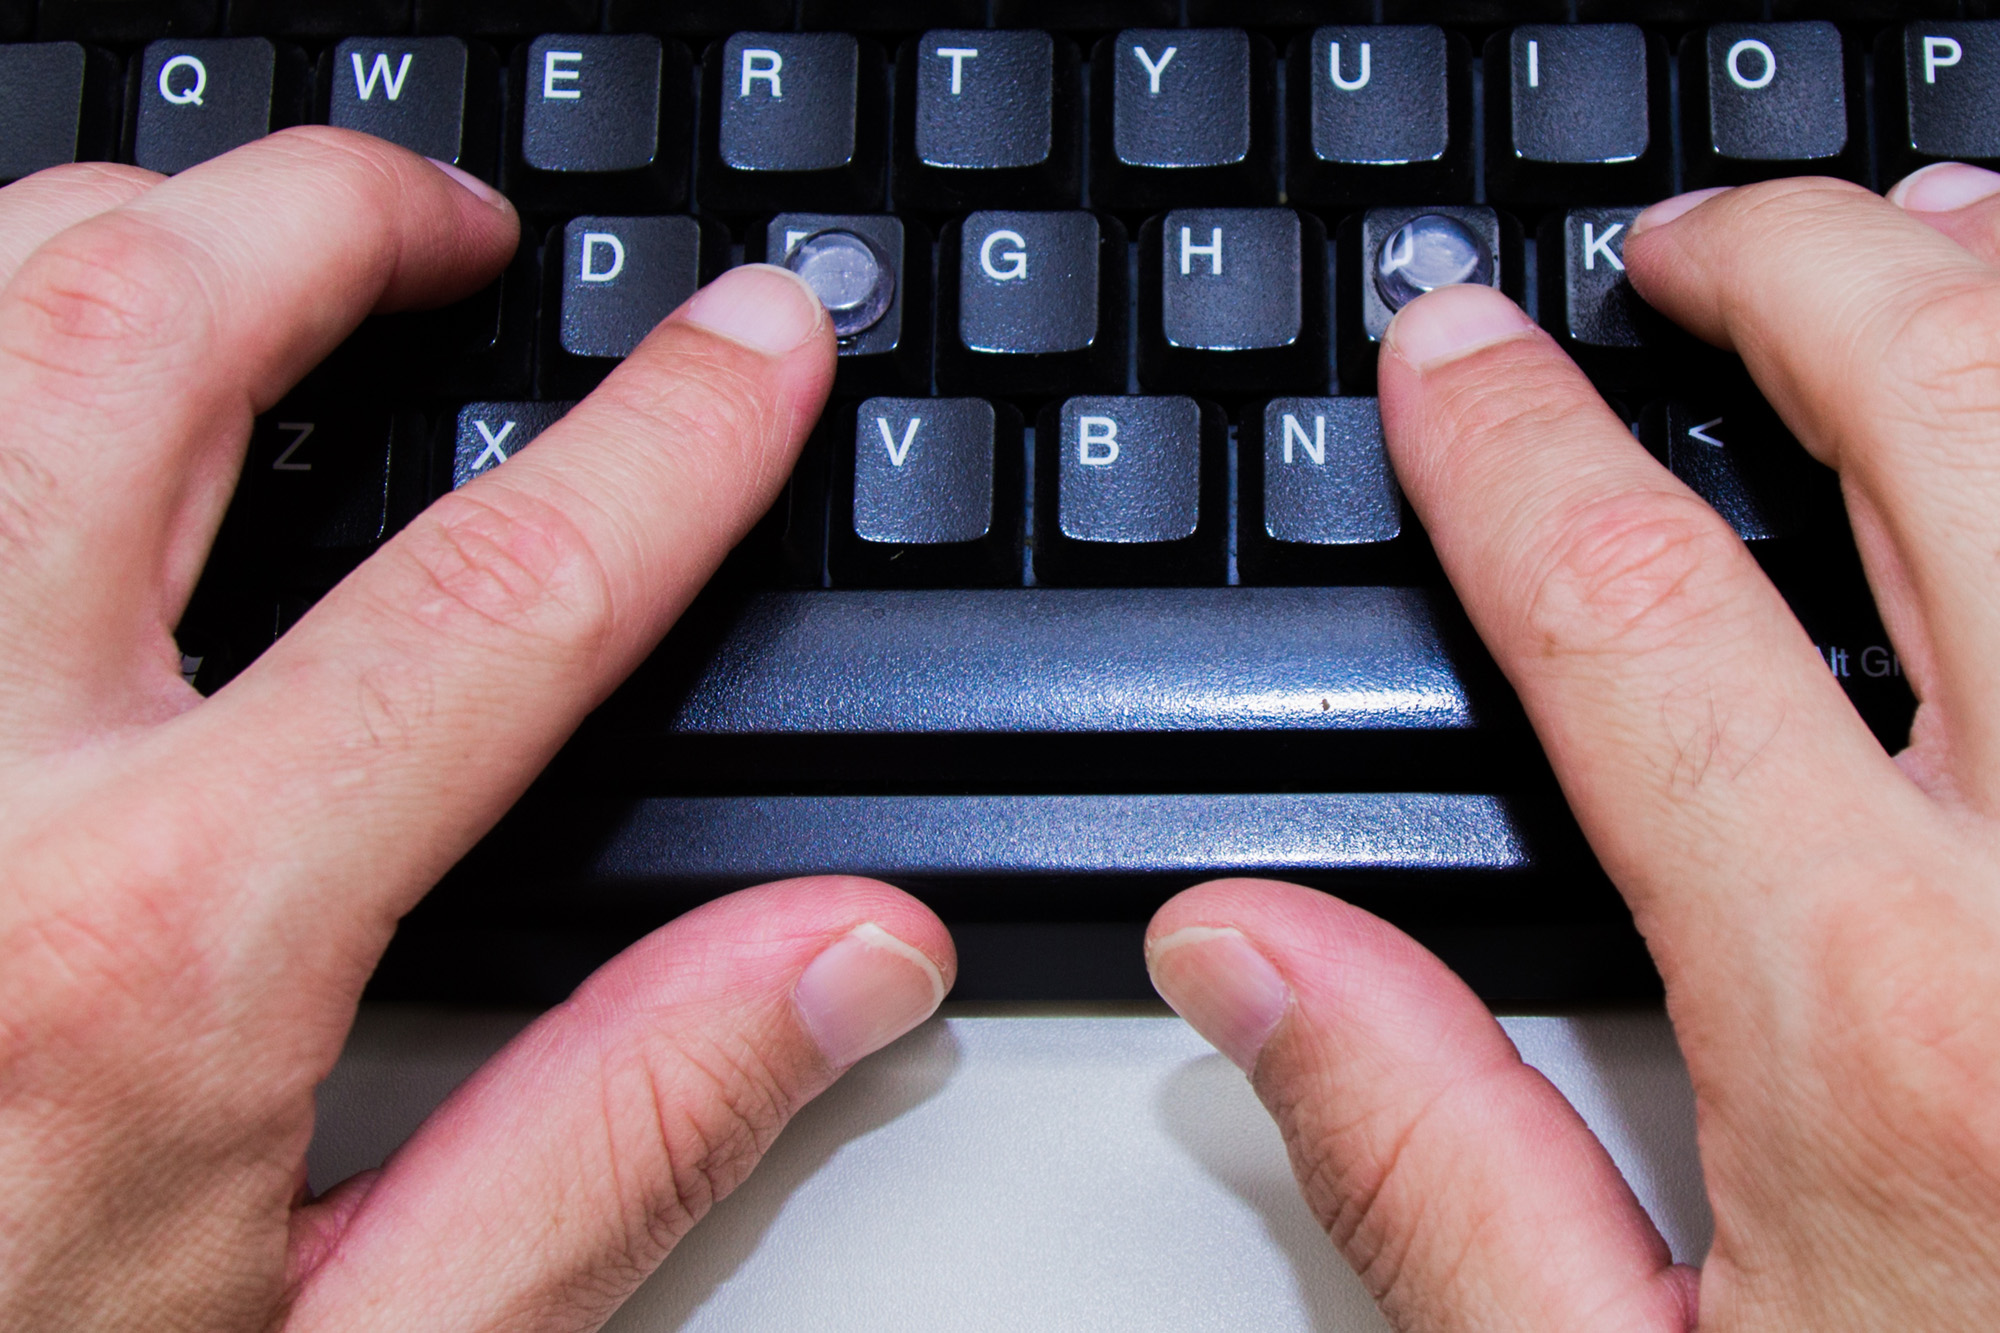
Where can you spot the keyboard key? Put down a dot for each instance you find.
(199, 99)
(988, 119)
(1232, 299)
(1739, 460)
(793, 119)
(506, 18)
(680, 17)
(1444, 243)
(1939, 84)
(1588, 303)
(892, 353)
(889, 15)
(604, 124)
(1192, 119)
(1764, 100)
(931, 494)
(127, 20)
(619, 277)
(433, 95)
(322, 487)
(1130, 491)
(316, 18)
(1033, 303)
(485, 435)
(1380, 112)
(1318, 500)
(58, 103)
(1576, 114)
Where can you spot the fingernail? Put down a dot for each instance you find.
(485, 193)
(865, 990)
(1944, 186)
(1668, 209)
(766, 308)
(1223, 987)
(1450, 322)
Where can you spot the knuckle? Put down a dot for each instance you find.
(108, 294)
(1943, 362)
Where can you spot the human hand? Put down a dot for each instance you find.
(1825, 918)
(193, 892)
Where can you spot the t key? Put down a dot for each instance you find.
(1771, 99)
(1576, 114)
(604, 123)
(1232, 298)
(618, 278)
(793, 119)
(194, 100)
(1193, 118)
(57, 104)
(1939, 85)
(1381, 112)
(1033, 303)
(433, 95)
(486, 435)
(987, 118)
(1130, 491)
(932, 494)
(1319, 502)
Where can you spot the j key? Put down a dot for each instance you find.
(316, 18)
(1588, 303)
(604, 123)
(1388, 256)
(988, 119)
(1130, 491)
(1083, 15)
(1763, 100)
(58, 104)
(127, 20)
(887, 15)
(1738, 460)
(1192, 118)
(1576, 114)
(433, 95)
(1033, 303)
(506, 18)
(1380, 112)
(618, 277)
(1319, 502)
(1940, 88)
(321, 489)
(793, 119)
(931, 494)
(873, 273)
(1232, 299)
(674, 18)
(199, 99)
(486, 435)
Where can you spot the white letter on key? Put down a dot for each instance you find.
(1938, 53)
(763, 65)
(1189, 250)
(957, 55)
(1314, 445)
(899, 455)
(1016, 256)
(1097, 430)
(1595, 245)
(1153, 71)
(552, 70)
(1358, 83)
(1763, 79)
(589, 272)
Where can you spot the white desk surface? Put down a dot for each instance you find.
(1080, 1170)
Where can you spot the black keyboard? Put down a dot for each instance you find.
(1094, 581)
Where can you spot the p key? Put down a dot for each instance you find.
(1939, 84)
(1033, 303)
(1771, 99)
(57, 104)
(618, 278)
(1130, 491)
(603, 123)
(1380, 112)
(932, 494)
(486, 435)
(1576, 114)
(433, 95)
(988, 118)
(1192, 118)
(793, 119)
(193, 100)
(1319, 502)
(1232, 299)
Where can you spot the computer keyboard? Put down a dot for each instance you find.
(1094, 580)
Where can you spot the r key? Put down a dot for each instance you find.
(793, 119)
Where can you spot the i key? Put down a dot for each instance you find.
(1193, 118)
(1576, 114)
(485, 435)
(793, 119)
(1319, 502)
(1033, 303)
(1130, 491)
(872, 272)
(58, 104)
(193, 100)
(1763, 100)
(604, 124)
(618, 277)
(1939, 85)
(986, 118)
(1390, 256)
(433, 95)
(1589, 304)
(931, 495)
(1380, 112)
(1232, 299)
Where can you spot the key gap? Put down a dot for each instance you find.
(1028, 505)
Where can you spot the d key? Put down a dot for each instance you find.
(619, 277)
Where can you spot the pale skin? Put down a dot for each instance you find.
(193, 892)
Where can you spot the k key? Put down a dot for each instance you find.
(485, 435)
(988, 118)
(619, 277)
(1381, 112)
(193, 100)
(1771, 99)
(1319, 502)
(1033, 303)
(1939, 84)
(932, 494)
(603, 123)
(1576, 114)
(1192, 118)
(1589, 304)
(433, 95)
(1130, 491)
(1232, 299)
(58, 104)
(793, 119)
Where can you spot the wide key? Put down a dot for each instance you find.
(604, 124)
(1380, 113)
(1576, 114)
(930, 495)
(1763, 100)
(1232, 299)
(1192, 119)
(617, 278)
(1033, 303)
(194, 100)
(436, 96)
(1318, 501)
(793, 119)
(58, 103)
(988, 119)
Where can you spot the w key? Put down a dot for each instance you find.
(1192, 118)
(932, 494)
(433, 95)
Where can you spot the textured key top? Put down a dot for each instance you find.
(1576, 114)
(127, 20)
(1318, 500)
(195, 100)
(322, 487)
(1736, 458)
(1232, 299)
(1763, 100)
(433, 95)
(1939, 84)
(1387, 252)
(793, 119)
(1033, 303)
(485, 435)
(892, 353)
(604, 123)
(1192, 119)
(1380, 112)
(316, 18)
(930, 494)
(58, 103)
(618, 277)
(1589, 304)
(1130, 491)
(509, 18)
(988, 119)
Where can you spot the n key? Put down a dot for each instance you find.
(988, 118)
(1192, 118)
(932, 494)
(194, 100)
(793, 119)
(1939, 85)
(1033, 303)
(619, 277)
(57, 104)
(1130, 491)
(1576, 114)
(1763, 100)
(604, 123)
(1319, 502)
(486, 435)
(1381, 112)
(432, 95)
(1232, 299)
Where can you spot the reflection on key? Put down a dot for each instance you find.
(1033, 303)
(932, 491)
